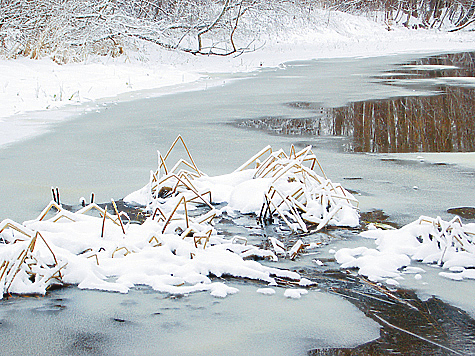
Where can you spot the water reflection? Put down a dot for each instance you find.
(440, 122)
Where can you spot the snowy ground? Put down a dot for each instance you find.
(32, 85)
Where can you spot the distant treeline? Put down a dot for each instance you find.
(415, 13)
(72, 29)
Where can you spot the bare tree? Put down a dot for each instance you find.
(71, 29)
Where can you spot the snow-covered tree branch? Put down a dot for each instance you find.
(71, 30)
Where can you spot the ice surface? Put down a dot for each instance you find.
(111, 153)
(69, 321)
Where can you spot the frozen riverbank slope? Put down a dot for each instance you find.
(39, 85)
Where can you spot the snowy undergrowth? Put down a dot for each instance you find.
(283, 185)
(448, 244)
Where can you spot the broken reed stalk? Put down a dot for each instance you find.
(162, 215)
(254, 158)
(49, 248)
(179, 138)
(52, 204)
(17, 227)
(118, 215)
(4, 266)
(189, 186)
(54, 276)
(104, 221)
(158, 243)
(22, 257)
(182, 199)
(197, 239)
(97, 258)
(119, 249)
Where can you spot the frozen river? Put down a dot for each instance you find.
(110, 151)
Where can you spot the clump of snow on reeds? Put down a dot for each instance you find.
(271, 184)
(98, 252)
(448, 244)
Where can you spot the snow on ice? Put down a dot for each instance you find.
(448, 244)
(171, 251)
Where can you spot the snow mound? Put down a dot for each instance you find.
(282, 185)
(107, 253)
(295, 293)
(448, 244)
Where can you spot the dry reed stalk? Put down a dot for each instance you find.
(118, 215)
(186, 233)
(190, 188)
(103, 212)
(297, 248)
(46, 210)
(104, 221)
(206, 217)
(281, 214)
(120, 249)
(181, 201)
(20, 260)
(193, 165)
(294, 213)
(162, 215)
(5, 224)
(254, 159)
(198, 238)
(158, 243)
(57, 277)
(94, 255)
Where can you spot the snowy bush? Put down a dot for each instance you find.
(72, 30)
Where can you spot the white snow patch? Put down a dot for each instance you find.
(432, 241)
(266, 291)
(295, 293)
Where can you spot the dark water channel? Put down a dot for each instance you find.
(373, 105)
(443, 121)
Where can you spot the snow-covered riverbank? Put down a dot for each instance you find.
(41, 85)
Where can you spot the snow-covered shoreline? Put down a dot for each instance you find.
(31, 86)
